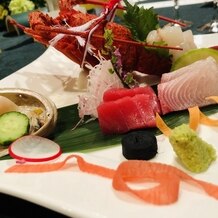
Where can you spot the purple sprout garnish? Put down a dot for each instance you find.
(126, 77)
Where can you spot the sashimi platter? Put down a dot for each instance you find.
(151, 93)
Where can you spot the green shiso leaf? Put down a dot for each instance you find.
(140, 21)
(108, 46)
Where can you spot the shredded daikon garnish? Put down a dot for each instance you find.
(99, 80)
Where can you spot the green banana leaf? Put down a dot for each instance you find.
(88, 137)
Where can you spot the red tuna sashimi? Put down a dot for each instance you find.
(147, 110)
(127, 113)
(189, 88)
(116, 93)
(111, 118)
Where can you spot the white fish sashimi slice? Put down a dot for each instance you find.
(190, 88)
(192, 68)
(166, 77)
(173, 36)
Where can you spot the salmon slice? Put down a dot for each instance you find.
(189, 86)
(168, 177)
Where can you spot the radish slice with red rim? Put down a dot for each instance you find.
(34, 149)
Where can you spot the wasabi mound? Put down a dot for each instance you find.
(195, 154)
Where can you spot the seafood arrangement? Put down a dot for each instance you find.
(138, 44)
(115, 53)
(112, 53)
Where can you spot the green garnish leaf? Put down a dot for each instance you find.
(140, 21)
(111, 71)
(108, 46)
(113, 59)
(129, 79)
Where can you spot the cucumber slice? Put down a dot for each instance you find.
(13, 125)
(194, 55)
